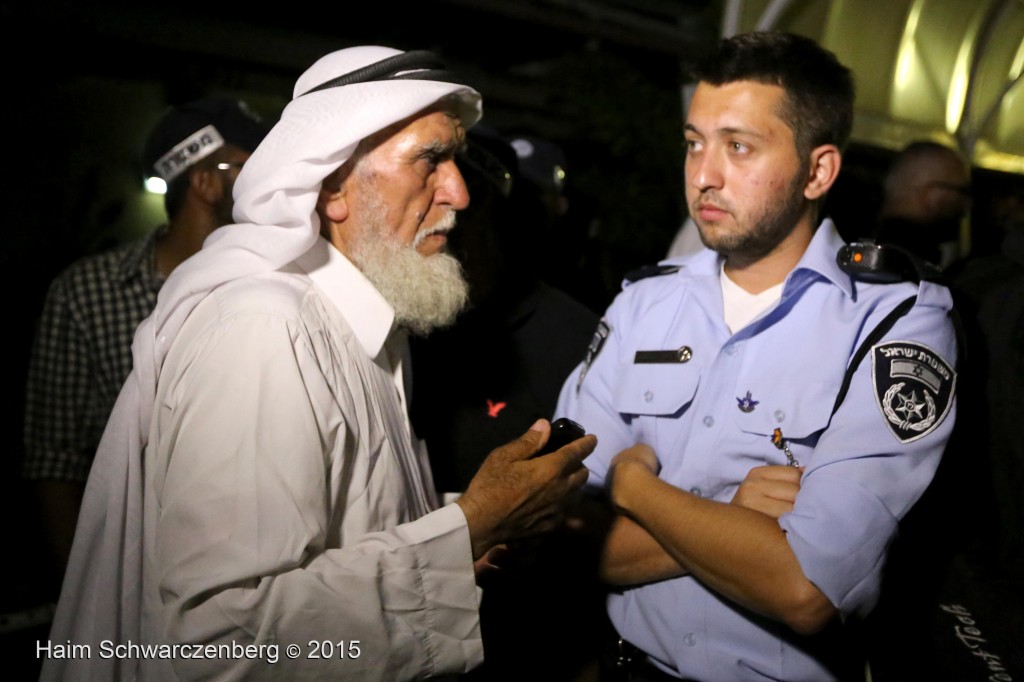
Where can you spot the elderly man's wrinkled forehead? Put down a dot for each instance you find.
(434, 146)
(448, 106)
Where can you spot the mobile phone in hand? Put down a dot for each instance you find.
(563, 432)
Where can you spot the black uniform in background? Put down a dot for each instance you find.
(483, 382)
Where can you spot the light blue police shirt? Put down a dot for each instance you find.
(711, 418)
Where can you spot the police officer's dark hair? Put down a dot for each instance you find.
(818, 107)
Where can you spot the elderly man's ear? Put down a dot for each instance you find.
(333, 211)
(333, 206)
(331, 203)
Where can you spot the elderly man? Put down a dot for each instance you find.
(259, 506)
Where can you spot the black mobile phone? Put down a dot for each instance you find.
(563, 432)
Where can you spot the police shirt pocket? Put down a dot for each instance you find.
(800, 413)
(656, 389)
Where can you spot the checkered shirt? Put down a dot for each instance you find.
(82, 355)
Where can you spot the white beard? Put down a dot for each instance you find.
(425, 292)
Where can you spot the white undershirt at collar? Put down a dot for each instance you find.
(741, 307)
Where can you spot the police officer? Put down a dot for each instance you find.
(712, 365)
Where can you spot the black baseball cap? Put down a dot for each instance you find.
(191, 132)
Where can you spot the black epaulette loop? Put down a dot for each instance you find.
(649, 271)
(885, 264)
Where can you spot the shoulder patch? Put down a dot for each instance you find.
(596, 342)
(914, 388)
(649, 271)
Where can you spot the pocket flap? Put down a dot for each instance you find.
(800, 410)
(656, 389)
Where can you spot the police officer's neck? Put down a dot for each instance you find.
(756, 273)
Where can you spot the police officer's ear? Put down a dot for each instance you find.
(822, 171)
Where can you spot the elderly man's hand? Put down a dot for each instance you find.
(515, 495)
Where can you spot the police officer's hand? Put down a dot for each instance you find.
(639, 457)
(490, 564)
(638, 454)
(769, 489)
(515, 495)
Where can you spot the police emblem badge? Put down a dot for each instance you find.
(747, 403)
(914, 388)
(600, 334)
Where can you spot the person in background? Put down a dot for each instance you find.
(570, 259)
(989, 291)
(927, 196)
(81, 353)
(484, 380)
(518, 337)
(258, 489)
(686, 240)
(747, 357)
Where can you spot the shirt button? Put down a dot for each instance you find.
(709, 421)
(648, 397)
(690, 639)
(780, 416)
(696, 491)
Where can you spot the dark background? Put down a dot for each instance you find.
(83, 82)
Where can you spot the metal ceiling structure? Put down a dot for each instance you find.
(604, 78)
(947, 70)
(944, 69)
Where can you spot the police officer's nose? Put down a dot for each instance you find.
(703, 172)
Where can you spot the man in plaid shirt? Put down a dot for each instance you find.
(81, 354)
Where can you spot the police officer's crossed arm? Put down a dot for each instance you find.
(631, 556)
(737, 549)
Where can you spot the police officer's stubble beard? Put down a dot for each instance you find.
(763, 231)
(425, 292)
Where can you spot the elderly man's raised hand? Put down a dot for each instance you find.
(516, 495)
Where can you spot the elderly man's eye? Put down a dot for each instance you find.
(432, 159)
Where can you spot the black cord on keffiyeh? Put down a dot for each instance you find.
(415, 65)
